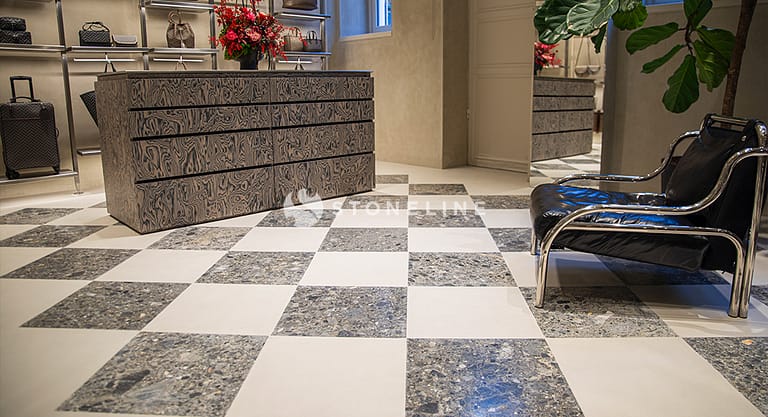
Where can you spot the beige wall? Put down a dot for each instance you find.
(421, 86)
(638, 129)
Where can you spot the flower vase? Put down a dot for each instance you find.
(250, 61)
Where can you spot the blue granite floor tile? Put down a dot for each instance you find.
(265, 268)
(50, 236)
(444, 218)
(298, 218)
(458, 269)
(35, 215)
(488, 377)
(70, 263)
(504, 202)
(641, 273)
(352, 239)
(512, 240)
(170, 374)
(202, 238)
(392, 179)
(345, 312)
(437, 189)
(376, 202)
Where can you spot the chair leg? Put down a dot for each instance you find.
(534, 242)
(746, 286)
(541, 275)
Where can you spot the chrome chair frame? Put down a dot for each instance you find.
(745, 250)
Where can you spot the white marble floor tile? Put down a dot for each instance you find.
(8, 230)
(163, 265)
(119, 237)
(282, 239)
(325, 377)
(42, 367)
(371, 217)
(456, 239)
(702, 311)
(86, 217)
(361, 269)
(14, 258)
(565, 269)
(660, 377)
(469, 312)
(242, 309)
(23, 299)
(505, 218)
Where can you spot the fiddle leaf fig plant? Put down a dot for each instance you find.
(708, 51)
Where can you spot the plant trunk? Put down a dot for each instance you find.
(745, 19)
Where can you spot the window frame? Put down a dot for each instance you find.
(374, 6)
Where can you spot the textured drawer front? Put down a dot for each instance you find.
(198, 120)
(556, 145)
(300, 143)
(184, 201)
(180, 92)
(558, 121)
(324, 178)
(321, 113)
(563, 87)
(321, 88)
(563, 103)
(172, 157)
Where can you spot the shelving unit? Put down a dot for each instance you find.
(293, 15)
(201, 7)
(62, 50)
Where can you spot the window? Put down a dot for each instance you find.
(358, 17)
(655, 2)
(382, 22)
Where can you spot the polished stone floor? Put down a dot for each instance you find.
(412, 300)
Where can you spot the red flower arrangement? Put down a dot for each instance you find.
(544, 56)
(245, 30)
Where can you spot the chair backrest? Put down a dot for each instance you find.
(697, 173)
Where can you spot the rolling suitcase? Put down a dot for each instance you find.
(28, 132)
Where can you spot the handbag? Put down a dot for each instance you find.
(293, 41)
(125, 41)
(179, 34)
(12, 36)
(94, 34)
(15, 24)
(300, 4)
(312, 43)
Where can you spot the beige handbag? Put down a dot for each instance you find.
(179, 34)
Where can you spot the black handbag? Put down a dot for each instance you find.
(95, 34)
(300, 4)
(312, 43)
(179, 34)
(15, 24)
(10, 36)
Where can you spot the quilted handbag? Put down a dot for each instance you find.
(95, 34)
(15, 24)
(179, 34)
(10, 36)
(312, 43)
(125, 41)
(300, 4)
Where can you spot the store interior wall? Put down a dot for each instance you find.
(420, 73)
(638, 130)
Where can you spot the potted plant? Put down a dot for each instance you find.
(247, 34)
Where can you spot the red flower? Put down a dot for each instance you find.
(231, 35)
(246, 29)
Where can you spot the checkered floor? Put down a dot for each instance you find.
(412, 300)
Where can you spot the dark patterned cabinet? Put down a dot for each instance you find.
(181, 148)
(563, 113)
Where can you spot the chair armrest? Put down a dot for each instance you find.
(633, 178)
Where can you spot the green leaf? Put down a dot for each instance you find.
(598, 39)
(651, 66)
(712, 67)
(550, 20)
(590, 15)
(631, 19)
(645, 37)
(695, 10)
(720, 40)
(683, 87)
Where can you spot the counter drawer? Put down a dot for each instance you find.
(301, 143)
(286, 89)
(191, 121)
(298, 114)
(324, 178)
(181, 92)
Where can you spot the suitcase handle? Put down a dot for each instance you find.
(27, 78)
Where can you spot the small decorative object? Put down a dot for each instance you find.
(312, 43)
(125, 41)
(544, 56)
(293, 41)
(300, 4)
(248, 34)
(179, 34)
(95, 34)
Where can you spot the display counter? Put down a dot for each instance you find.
(186, 147)
(563, 116)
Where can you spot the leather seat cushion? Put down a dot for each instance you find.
(551, 202)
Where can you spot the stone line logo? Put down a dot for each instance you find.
(310, 215)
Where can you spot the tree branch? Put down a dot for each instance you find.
(745, 19)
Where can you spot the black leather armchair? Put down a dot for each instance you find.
(706, 218)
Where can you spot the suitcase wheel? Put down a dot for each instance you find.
(56, 169)
(11, 174)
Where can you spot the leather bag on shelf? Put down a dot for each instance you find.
(95, 34)
(312, 43)
(125, 41)
(179, 34)
(300, 4)
(294, 42)
(28, 132)
(19, 37)
(15, 24)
